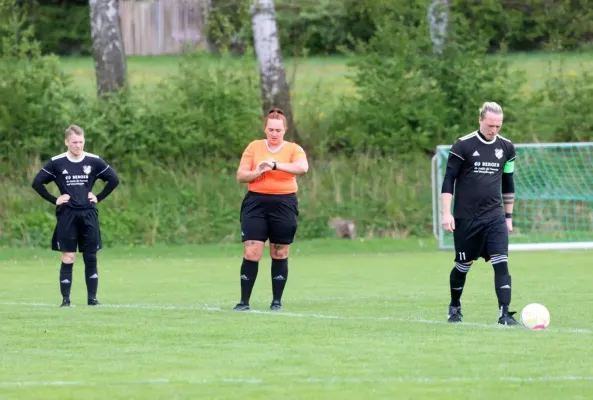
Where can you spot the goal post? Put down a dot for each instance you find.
(553, 196)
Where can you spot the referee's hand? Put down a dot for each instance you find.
(62, 199)
(264, 166)
(448, 222)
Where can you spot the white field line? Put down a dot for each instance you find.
(205, 307)
(312, 380)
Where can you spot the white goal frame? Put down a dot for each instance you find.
(437, 207)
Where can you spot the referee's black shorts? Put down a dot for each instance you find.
(269, 216)
(77, 229)
(484, 237)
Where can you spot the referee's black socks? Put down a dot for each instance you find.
(91, 274)
(279, 277)
(248, 275)
(66, 280)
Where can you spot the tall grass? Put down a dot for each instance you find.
(187, 204)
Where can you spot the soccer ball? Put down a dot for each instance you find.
(535, 316)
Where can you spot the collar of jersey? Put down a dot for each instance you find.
(483, 139)
(73, 160)
(276, 149)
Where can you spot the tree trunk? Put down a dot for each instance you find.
(211, 45)
(438, 21)
(274, 87)
(108, 46)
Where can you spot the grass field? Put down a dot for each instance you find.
(319, 83)
(324, 76)
(361, 320)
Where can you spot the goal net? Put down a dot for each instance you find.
(553, 196)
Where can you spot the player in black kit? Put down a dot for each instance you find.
(480, 167)
(75, 173)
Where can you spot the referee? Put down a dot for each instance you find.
(75, 173)
(270, 208)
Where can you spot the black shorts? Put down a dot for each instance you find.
(484, 238)
(77, 229)
(269, 216)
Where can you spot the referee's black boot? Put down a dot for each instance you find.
(65, 303)
(454, 314)
(93, 302)
(508, 319)
(241, 307)
(276, 305)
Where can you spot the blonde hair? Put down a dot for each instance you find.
(490, 106)
(74, 130)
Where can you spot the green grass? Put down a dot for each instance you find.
(540, 66)
(309, 78)
(323, 76)
(361, 320)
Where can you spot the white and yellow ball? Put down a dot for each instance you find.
(535, 316)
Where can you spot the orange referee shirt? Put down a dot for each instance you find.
(272, 182)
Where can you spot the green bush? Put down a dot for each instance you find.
(311, 28)
(63, 29)
(556, 113)
(192, 117)
(410, 100)
(37, 103)
(529, 25)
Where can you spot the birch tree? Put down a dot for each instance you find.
(108, 46)
(438, 21)
(274, 87)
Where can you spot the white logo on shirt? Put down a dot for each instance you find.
(498, 153)
(476, 154)
(87, 169)
(64, 172)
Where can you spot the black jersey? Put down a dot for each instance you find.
(478, 184)
(75, 178)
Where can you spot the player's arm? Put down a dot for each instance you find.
(108, 175)
(298, 164)
(43, 177)
(244, 173)
(508, 187)
(454, 163)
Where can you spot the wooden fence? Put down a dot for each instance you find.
(154, 27)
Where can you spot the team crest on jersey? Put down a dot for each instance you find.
(498, 153)
(87, 169)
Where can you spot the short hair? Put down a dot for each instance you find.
(74, 130)
(490, 106)
(275, 113)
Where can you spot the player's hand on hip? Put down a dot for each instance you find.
(510, 224)
(448, 222)
(63, 199)
(93, 198)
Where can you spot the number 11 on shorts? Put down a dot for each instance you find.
(462, 255)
